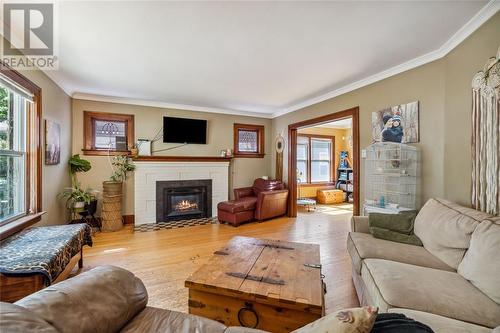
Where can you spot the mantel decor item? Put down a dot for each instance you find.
(486, 137)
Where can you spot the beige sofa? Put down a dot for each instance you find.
(451, 283)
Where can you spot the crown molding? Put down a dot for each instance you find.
(490, 9)
(165, 105)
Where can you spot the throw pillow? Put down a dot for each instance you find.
(356, 320)
(394, 227)
(481, 264)
(401, 223)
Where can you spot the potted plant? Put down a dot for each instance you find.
(77, 164)
(76, 197)
(121, 166)
(112, 194)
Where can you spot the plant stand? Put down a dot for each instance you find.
(111, 215)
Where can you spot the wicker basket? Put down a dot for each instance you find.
(112, 188)
(111, 215)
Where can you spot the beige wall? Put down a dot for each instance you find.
(148, 120)
(56, 105)
(443, 90)
(341, 139)
(425, 84)
(461, 65)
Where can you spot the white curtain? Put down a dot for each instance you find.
(486, 137)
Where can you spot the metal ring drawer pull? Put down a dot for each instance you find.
(248, 307)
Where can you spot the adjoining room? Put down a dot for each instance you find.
(325, 177)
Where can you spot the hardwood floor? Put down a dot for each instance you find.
(163, 259)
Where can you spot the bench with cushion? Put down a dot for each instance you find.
(37, 257)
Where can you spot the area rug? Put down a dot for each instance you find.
(175, 224)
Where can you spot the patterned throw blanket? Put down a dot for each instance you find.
(43, 250)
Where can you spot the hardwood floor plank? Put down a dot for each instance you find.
(164, 259)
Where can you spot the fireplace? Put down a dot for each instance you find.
(183, 199)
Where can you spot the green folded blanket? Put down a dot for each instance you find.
(395, 236)
(394, 227)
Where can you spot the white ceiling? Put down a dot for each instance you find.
(264, 58)
(342, 123)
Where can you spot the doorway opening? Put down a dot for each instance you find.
(323, 163)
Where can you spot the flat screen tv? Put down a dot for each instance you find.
(183, 130)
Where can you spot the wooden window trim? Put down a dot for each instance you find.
(260, 137)
(332, 159)
(33, 157)
(88, 132)
(19, 224)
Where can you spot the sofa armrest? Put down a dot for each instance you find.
(271, 204)
(101, 300)
(243, 192)
(360, 224)
(271, 195)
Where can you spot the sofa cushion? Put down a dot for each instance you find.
(153, 320)
(430, 290)
(481, 264)
(445, 229)
(362, 246)
(240, 205)
(441, 324)
(101, 300)
(16, 319)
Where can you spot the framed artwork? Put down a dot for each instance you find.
(52, 142)
(396, 124)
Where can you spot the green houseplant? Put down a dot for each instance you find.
(121, 166)
(112, 193)
(77, 164)
(76, 197)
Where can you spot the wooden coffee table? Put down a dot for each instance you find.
(271, 285)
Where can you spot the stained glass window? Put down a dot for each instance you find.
(249, 140)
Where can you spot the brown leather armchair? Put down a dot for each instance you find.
(264, 200)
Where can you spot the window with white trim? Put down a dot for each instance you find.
(315, 158)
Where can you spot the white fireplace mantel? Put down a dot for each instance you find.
(148, 173)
